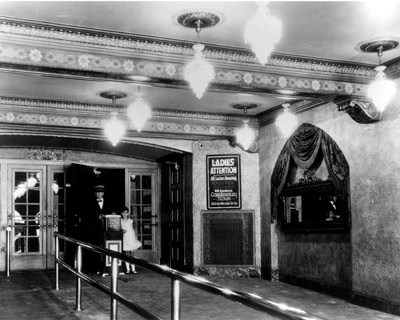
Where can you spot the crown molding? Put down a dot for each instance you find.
(81, 119)
(56, 35)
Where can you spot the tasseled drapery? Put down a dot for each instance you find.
(303, 147)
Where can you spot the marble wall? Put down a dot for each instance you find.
(250, 200)
(372, 151)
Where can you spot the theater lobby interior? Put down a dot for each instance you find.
(255, 145)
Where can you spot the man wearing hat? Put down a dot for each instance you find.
(98, 208)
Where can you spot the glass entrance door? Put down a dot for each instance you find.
(144, 214)
(36, 210)
(27, 218)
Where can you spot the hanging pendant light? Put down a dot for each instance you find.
(381, 90)
(245, 135)
(114, 129)
(139, 111)
(287, 121)
(199, 73)
(263, 32)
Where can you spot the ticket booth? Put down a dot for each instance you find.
(113, 239)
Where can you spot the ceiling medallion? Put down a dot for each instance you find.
(245, 105)
(113, 94)
(190, 19)
(378, 44)
(198, 72)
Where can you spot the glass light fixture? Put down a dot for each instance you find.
(381, 90)
(263, 32)
(114, 129)
(246, 135)
(199, 72)
(287, 121)
(139, 112)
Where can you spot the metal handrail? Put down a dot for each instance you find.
(251, 300)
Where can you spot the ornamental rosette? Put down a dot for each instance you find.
(128, 65)
(282, 82)
(35, 55)
(315, 85)
(170, 69)
(83, 61)
(248, 78)
(349, 88)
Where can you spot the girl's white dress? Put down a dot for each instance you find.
(130, 241)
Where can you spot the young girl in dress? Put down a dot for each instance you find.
(130, 241)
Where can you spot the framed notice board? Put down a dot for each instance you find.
(223, 182)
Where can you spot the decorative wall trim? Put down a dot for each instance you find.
(163, 113)
(45, 154)
(57, 59)
(192, 127)
(156, 46)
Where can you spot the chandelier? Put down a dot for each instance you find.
(199, 73)
(263, 32)
(139, 112)
(287, 121)
(114, 129)
(381, 90)
(245, 135)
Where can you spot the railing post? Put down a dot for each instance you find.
(78, 306)
(175, 300)
(114, 289)
(8, 250)
(57, 241)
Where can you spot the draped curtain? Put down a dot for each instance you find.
(303, 147)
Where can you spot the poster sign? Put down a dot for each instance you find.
(223, 182)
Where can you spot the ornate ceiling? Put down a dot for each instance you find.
(56, 58)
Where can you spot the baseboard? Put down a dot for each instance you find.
(376, 304)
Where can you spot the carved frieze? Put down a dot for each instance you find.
(20, 111)
(45, 154)
(56, 59)
(78, 37)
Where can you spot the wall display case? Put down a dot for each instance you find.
(314, 205)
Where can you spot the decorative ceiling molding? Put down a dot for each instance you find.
(54, 35)
(186, 125)
(69, 63)
(106, 109)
